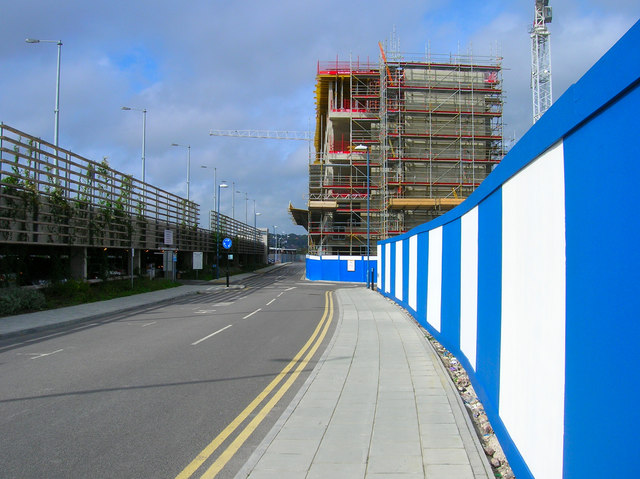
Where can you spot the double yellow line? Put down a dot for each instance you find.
(310, 348)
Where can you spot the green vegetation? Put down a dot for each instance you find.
(18, 300)
(70, 293)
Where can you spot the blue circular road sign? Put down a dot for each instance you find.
(226, 243)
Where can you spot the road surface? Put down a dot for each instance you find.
(187, 389)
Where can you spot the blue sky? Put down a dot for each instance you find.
(204, 65)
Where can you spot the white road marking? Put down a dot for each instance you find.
(271, 301)
(148, 324)
(212, 334)
(204, 311)
(251, 314)
(42, 355)
(289, 289)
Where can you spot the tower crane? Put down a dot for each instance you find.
(541, 59)
(271, 134)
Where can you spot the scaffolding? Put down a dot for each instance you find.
(427, 130)
(348, 103)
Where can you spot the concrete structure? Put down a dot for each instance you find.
(398, 143)
(532, 283)
(88, 219)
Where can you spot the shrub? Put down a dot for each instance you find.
(72, 292)
(17, 300)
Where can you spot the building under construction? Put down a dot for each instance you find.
(398, 142)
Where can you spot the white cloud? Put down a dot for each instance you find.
(250, 65)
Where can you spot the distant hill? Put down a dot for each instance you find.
(290, 240)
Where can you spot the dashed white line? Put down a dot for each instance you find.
(148, 324)
(212, 334)
(42, 355)
(271, 301)
(251, 314)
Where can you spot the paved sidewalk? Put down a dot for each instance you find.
(378, 405)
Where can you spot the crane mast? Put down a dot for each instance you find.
(541, 60)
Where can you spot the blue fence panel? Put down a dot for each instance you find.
(532, 282)
(340, 268)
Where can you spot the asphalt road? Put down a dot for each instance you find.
(169, 391)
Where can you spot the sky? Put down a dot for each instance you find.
(202, 65)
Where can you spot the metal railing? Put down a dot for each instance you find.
(245, 238)
(49, 195)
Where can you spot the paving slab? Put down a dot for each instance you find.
(390, 410)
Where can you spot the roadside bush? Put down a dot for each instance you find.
(69, 292)
(18, 300)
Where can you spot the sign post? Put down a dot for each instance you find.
(197, 261)
(226, 244)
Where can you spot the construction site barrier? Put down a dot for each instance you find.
(532, 282)
(341, 268)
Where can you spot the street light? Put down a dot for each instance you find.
(275, 240)
(221, 185)
(56, 112)
(255, 228)
(246, 200)
(233, 200)
(366, 148)
(188, 147)
(144, 132)
(255, 215)
(215, 181)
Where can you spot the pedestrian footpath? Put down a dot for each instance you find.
(378, 404)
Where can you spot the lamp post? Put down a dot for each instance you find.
(275, 243)
(366, 148)
(246, 200)
(255, 229)
(144, 133)
(56, 112)
(283, 243)
(233, 200)
(255, 215)
(215, 181)
(221, 185)
(188, 147)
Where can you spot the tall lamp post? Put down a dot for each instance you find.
(246, 200)
(366, 148)
(233, 200)
(275, 242)
(221, 185)
(215, 181)
(188, 147)
(255, 215)
(56, 112)
(144, 133)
